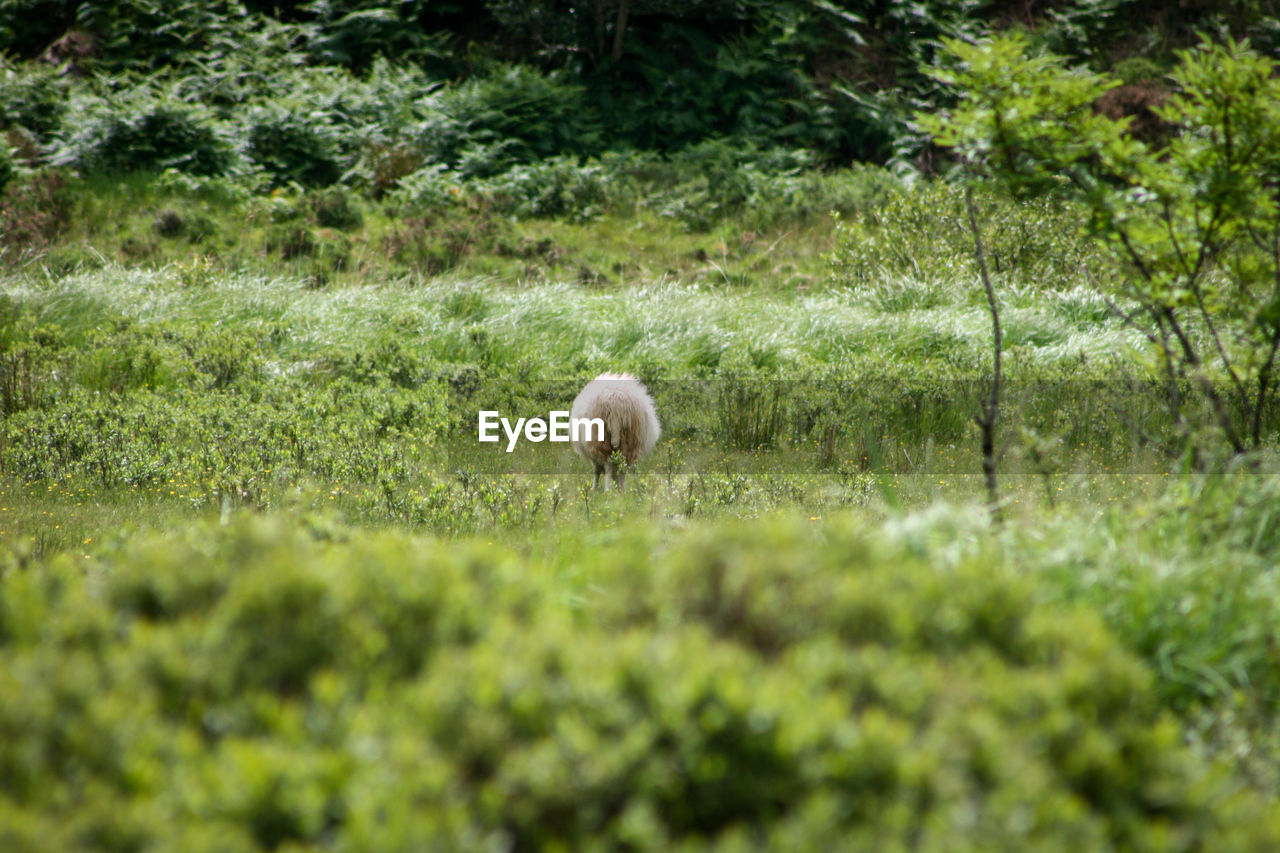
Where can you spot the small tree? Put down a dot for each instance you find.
(1193, 226)
(990, 413)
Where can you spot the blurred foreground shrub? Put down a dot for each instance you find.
(276, 683)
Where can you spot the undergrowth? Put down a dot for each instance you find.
(273, 682)
(813, 500)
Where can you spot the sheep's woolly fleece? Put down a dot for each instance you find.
(631, 426)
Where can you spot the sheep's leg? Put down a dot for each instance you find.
(599, 471)
(610, 474)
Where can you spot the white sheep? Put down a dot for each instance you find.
(631, 426)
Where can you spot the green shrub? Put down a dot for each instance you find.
(430, 188)
(33, 98)
(142, 131)
(708, 181)
(290, 239)
(198, 404)
(554, 187)
(293, 147)
(334, 208)
(721, 179)
(146, 35)
(921, 233)
(353, 34)
(1162, 217)
(701, 186)
(513, 115)
(220, 191)
(708, 70)
(1194, 613)
(763, 686)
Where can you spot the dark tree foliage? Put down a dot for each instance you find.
(28, 27)
(838, 77)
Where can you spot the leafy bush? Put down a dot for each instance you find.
(292, 146)
(700, 187)
(921, 233)
(670, 78)
(148, 35)
(707, 183)
(334, 208)
(330, 123)
(723, 177)
(512, 115)
(353, 34)
(143, 130)
(32, 98)
(1164, 218)
(554, 187)
(196, 404)
(1174, 612)
(433, 187)
(744, 687)
(560, 187)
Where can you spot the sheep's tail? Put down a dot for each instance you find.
(625, 407)
(614, 426)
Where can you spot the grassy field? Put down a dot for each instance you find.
(262, 589)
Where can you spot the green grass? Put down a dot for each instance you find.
(684, 325)
(214, 225)
(240, 409)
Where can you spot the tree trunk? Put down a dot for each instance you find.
(620, 28)
(991, 408)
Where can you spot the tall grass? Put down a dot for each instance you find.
(334, 407)
(684, 328)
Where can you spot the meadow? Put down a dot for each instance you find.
(263, 589)
(262, 265)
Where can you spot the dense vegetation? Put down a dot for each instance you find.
(368, 92)
(261, 264)
(779, 685)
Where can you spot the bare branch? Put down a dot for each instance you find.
(991, 409)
